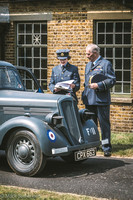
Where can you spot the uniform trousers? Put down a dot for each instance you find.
(102, 114)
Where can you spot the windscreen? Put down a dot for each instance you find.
(9, 79)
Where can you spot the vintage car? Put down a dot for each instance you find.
(35, 125)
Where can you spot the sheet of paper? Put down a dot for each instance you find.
(64, 85)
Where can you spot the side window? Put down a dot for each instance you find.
(9, 79)
(114, 40)
(32, 49)
(28, 81)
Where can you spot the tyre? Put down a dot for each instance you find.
(24, 154)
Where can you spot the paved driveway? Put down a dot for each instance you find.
(99, 176)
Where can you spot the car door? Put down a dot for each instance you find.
(29, 80)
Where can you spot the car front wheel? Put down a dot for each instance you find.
(24, 154)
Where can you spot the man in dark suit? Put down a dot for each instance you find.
(64, 72)
(96, 95)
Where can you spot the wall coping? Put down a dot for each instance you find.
(121, 100)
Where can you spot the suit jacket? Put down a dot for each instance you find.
(70, 72)
(100, 96)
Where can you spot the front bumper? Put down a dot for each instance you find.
(68, 149)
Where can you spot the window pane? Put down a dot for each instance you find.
(21, 52)
(109, 27)
(28, 39)
(43, 39)
(37, 73)
(109, 39)
(29, 84)
(126, 75)
(36, 52)
(127, 27)
(44, 85)
(28, 62)
(36, 63)
(127, 39)
(28, 28)
(44, 28)
(118, 39)
(118, 75)
(28, 52)
(21, 39)
(21, 61)
(44, 63)
(101, 39)
(118, 87)
(126, 88)
(109, 52)
(44, 52)
(118, 27)
(118, 64)
(118, 52)
(44, 74)
(127, 53)
(101, 27)
(21, 28)
(36, 28)
(127, 64)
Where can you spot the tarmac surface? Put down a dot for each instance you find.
(101, 177)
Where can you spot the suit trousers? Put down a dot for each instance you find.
(102, 114)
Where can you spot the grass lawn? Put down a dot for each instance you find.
(122, 144)
(16, 193)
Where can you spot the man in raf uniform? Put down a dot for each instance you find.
(96, 95)
(64, 72)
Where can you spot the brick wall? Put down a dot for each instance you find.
(70, 28)
(121, 117)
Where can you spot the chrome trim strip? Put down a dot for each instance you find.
(28, 100)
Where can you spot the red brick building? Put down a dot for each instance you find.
(32, 30)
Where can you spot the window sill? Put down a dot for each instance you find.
(121, 99)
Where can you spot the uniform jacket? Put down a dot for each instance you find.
(70, 72)
(100, 96)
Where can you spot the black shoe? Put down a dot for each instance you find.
(107, 153)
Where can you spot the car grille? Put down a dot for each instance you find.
(72, 121)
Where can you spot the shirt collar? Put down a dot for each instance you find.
(96, 60)
(64, 65)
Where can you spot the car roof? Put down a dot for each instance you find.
(4, 63)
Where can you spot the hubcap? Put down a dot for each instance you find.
(24, 151)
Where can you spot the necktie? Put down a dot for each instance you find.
(63, 68)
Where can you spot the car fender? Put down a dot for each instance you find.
(48, 137)
(90, 131)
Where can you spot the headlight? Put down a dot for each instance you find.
(85, 114)
(53, 119)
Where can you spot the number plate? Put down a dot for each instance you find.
(84, 154)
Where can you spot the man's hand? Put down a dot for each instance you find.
(72, 85)
(57, 89)
(93, 86)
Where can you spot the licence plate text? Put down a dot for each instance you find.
(84, 154)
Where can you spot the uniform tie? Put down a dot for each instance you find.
(92, 65)
(63, 68)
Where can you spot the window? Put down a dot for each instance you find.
(32, 49)
(114, 39)
(10, 80)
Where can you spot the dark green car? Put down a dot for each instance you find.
(36, 125)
